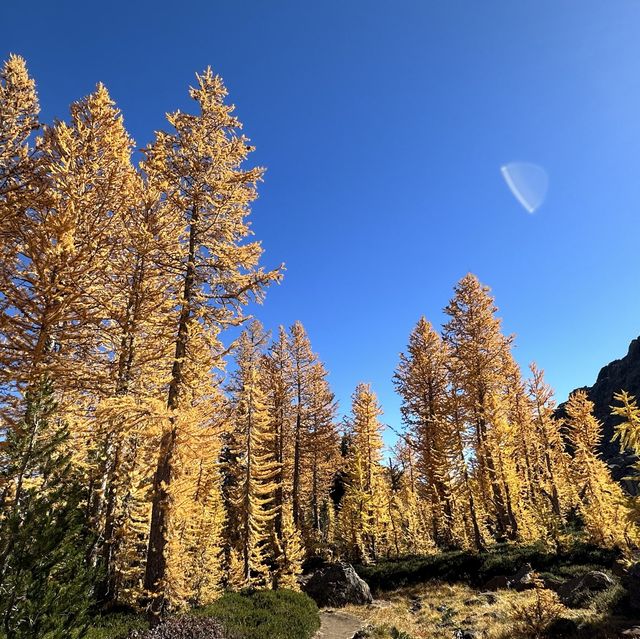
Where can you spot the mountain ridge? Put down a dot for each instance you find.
(618, 375)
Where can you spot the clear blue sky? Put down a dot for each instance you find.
(383, 126)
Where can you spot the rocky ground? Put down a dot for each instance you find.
(596, 596)
(337, 624)
(446, 611)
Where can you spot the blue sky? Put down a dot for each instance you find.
(384, 126)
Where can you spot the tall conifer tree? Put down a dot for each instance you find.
(198, 169)
(255, 467)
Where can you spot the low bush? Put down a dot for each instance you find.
(115, 626)
(534, 617)
(185, 627)
(475, 568)
(610, 600)
(265, 614)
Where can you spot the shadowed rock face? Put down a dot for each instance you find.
(621, 374)
(337, 585)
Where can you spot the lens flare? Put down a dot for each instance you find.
(528, 183)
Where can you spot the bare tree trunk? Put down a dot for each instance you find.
(297, 454)
(156, 566)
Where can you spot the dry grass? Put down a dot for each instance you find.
(436, 610)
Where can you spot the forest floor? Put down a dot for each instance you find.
(338, 625)
(436, 610)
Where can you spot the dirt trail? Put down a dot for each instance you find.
(337, 625)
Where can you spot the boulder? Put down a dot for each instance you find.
(620, 568)
(576, 591)
(489, 597)
(521, 580)
(552, 583)
(631, 633)
(336, 585)
(496, 583)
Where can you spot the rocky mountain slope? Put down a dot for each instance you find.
(621, 374)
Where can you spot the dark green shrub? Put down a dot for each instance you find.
(476, 569)
(46, 587)
(115, 626)
(186, 627)
(609, 600)
(266, 614)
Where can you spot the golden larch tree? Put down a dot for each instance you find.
(422, 380)
(19, 111)
(198, 169)
(480, 357)
(554, 490)
(277, 375)
(601, 501)
(254, 467)
(363, 506)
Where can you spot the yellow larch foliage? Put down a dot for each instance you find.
(363, 508)
(254, 468)
(628, 433)
(422, 380)
(534, 617)
(132, 429)
(321, 458)
(19, 111)
(303, 360)
(553, 487)
(194, 553)
(64, 245)
(198, 170)
(480, 358)
(289, 553)
(601, 501)
(409, 514)
(302, 410)
(276, 379)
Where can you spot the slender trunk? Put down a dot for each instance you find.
(555, 497)
(279, 493)
(107, 496)
(156, 566)
(106, 591)
(314, 493)
(297, 453)
(477, 536)
(497, 497)
(247, 498)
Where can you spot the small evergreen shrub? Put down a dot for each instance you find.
(116, 626)
(610, 600)
(265, 614)
(46, 586)
(185, 627)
